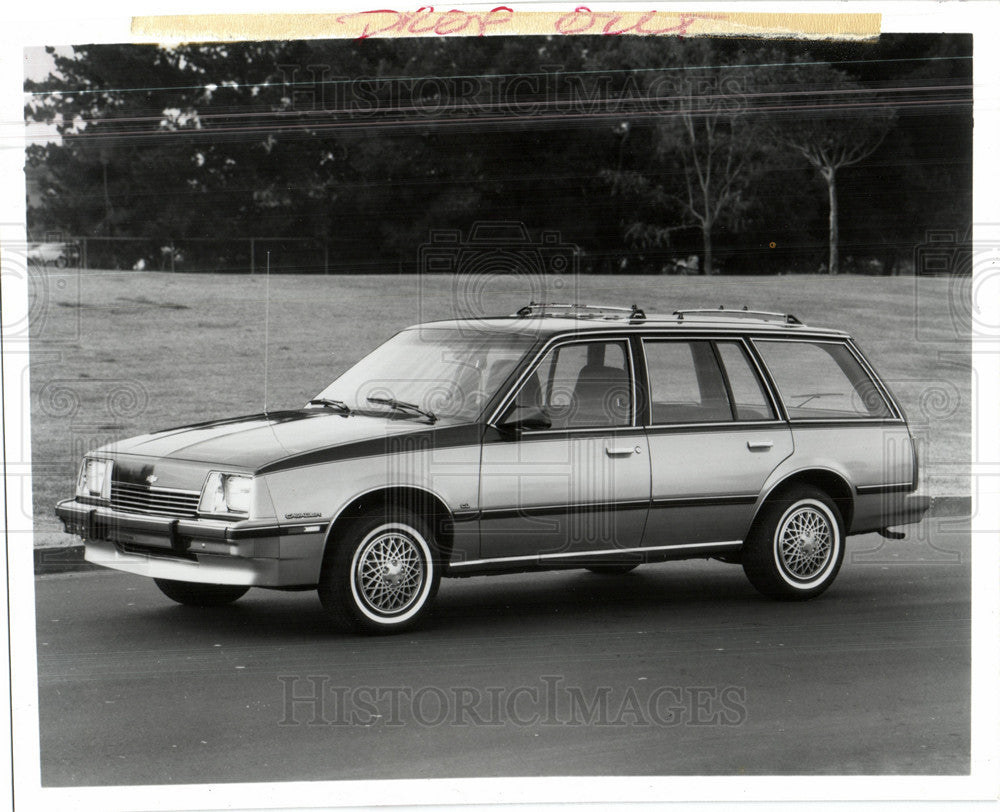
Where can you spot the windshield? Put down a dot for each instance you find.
(448, 372)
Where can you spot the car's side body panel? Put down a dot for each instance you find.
(877, 460)
(448, 473)
(872, 459)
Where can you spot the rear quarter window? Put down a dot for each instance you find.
(821, 380)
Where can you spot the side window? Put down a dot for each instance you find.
(821, 380)
(580, 385)
(749, 397)
(685, 382)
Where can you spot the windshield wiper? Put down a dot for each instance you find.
(332, 404)
(403, 405)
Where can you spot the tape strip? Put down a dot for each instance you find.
(502, 20)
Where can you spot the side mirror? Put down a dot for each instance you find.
(531, 419)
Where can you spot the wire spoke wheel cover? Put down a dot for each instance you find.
(806, 543)
(389, 572)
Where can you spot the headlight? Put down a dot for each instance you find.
(94, 479)
(226, 493)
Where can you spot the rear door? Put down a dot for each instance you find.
(715, 434)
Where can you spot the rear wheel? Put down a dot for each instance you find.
(191, 594)
(796, 546)
(382, 574)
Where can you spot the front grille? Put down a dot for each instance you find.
(153, 501)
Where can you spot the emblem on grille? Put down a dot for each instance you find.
(152, 478)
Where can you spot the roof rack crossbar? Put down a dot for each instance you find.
(634, 312)
(787, 318)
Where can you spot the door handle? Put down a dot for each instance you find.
(621, 452)
(760, 445)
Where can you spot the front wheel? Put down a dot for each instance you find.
(382, 574)
(796, 546)
(191, 594)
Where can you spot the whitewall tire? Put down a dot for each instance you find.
(796, 546)
(381, 575)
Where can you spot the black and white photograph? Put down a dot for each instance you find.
(471, 407)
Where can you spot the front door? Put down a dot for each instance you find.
(565, 472)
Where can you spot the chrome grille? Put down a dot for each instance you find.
(153, 501)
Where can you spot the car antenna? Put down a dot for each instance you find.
(267, 313)
(267, 322)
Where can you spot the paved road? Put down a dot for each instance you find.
(674, 669)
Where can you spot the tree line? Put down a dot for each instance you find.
(646, 152)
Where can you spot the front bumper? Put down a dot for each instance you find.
(249, 553)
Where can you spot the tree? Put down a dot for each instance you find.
(708, 146)
(144, 146)
(837, 124)
(715, 142)
(369, 145)
(713, 150)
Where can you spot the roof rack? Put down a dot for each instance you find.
(580, 311)
(766, 315)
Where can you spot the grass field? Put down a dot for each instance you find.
(120, 353)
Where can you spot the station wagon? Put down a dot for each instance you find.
(562, 436)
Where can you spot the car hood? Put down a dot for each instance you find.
(257, 441)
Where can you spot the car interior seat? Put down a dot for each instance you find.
(601, 397)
